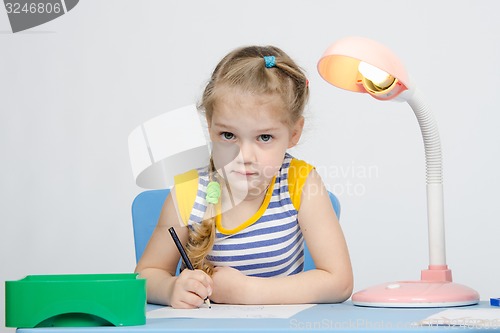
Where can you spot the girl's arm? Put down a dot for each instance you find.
(159, 262)
(330, 282)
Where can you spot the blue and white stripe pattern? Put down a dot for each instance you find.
(271, 246)
(200, 204)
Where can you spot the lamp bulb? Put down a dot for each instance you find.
(378, 80)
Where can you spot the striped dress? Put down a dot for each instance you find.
(271, 242)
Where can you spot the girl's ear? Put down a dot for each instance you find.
(296, 132)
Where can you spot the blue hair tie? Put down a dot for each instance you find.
(270, 61)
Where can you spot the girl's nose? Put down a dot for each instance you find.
(247, 153)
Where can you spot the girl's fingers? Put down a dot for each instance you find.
(188, 301)
(198, 288)
(201, 277)
(193, 287)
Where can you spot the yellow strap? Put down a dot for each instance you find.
(297, 176)
(251, 220)
(186, 187)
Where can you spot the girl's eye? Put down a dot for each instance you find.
(265, 137)
(227, 135)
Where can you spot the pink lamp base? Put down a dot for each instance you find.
(435, 289)
(416, 294)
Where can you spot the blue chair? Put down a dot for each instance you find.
(146, 209)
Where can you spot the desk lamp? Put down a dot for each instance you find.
(363, 65)
(167, 145)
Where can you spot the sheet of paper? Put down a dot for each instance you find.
(231, 311)
(473, 318)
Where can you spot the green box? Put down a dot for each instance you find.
(76, 300)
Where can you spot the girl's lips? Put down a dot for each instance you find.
(245, 173)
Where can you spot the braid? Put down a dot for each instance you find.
(202, 236)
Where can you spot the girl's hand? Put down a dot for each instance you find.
(229, 285)
(190, 289)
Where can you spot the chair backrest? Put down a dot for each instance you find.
(146, 210)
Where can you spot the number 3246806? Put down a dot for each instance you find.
(33, 8)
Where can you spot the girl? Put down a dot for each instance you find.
(249, 212)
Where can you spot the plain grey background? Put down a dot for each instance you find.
(73, 89)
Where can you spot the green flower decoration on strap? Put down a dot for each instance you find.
(213, 193)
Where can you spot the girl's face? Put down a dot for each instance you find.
(250, 135)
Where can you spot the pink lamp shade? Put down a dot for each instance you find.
(339, 65)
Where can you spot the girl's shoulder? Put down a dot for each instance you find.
(298, 171)
(187, 187)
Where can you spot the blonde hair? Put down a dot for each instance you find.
(244, 70)
(201, 236)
